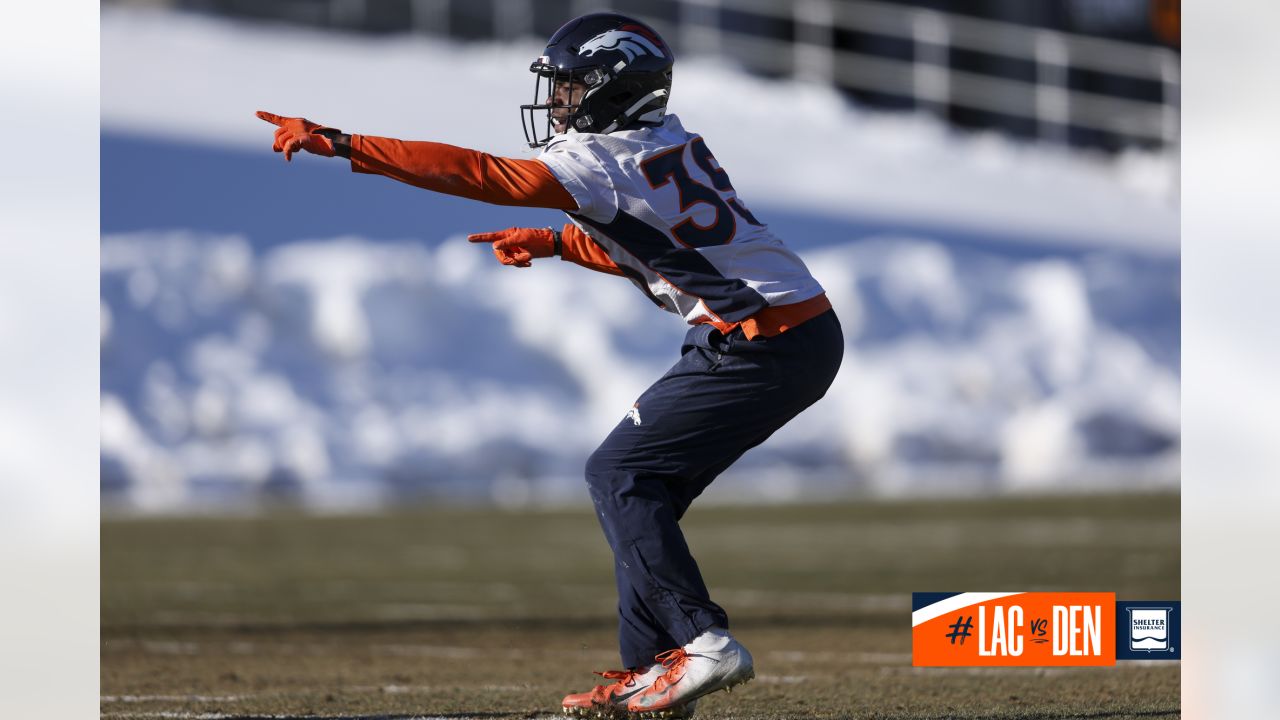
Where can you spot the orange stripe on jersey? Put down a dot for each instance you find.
(777, 319)
(459, 171)
(578, 247)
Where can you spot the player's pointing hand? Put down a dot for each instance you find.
(518, 246)
(294, 134)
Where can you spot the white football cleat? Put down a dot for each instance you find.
(713, 661)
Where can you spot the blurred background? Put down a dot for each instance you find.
(988, 189)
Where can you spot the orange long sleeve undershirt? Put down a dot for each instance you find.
(479, 176)
(459, 171)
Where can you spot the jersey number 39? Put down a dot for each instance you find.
(664, 167)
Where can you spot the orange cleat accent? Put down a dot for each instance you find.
(658, 696)
(609, 700)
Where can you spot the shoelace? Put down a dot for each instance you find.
(674, 661)
(626, 677)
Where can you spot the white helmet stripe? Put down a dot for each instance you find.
(645, 101)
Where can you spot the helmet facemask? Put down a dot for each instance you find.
(537, 132)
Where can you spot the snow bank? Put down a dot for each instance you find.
(351, 371)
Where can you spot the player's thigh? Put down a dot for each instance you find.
(706, 411)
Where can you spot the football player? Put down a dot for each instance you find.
(646, 200)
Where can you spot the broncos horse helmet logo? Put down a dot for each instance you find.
(631, 44)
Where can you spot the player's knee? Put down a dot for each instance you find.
(601, 469)
(611, 473)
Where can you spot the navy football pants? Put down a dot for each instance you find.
(726, 395)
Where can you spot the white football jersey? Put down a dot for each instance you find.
(659, 204)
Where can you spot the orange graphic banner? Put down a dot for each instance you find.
(1003, 629)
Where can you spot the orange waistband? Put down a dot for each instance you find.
(777, 319)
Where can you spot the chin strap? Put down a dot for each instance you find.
(625, 117)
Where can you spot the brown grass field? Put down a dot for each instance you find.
(488, 614)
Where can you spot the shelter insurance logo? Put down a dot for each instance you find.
(1034, 629)
(1148, 630)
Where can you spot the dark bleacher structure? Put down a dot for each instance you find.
(1100, 74)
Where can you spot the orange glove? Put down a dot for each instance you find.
(517, 246)
(296, 134)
